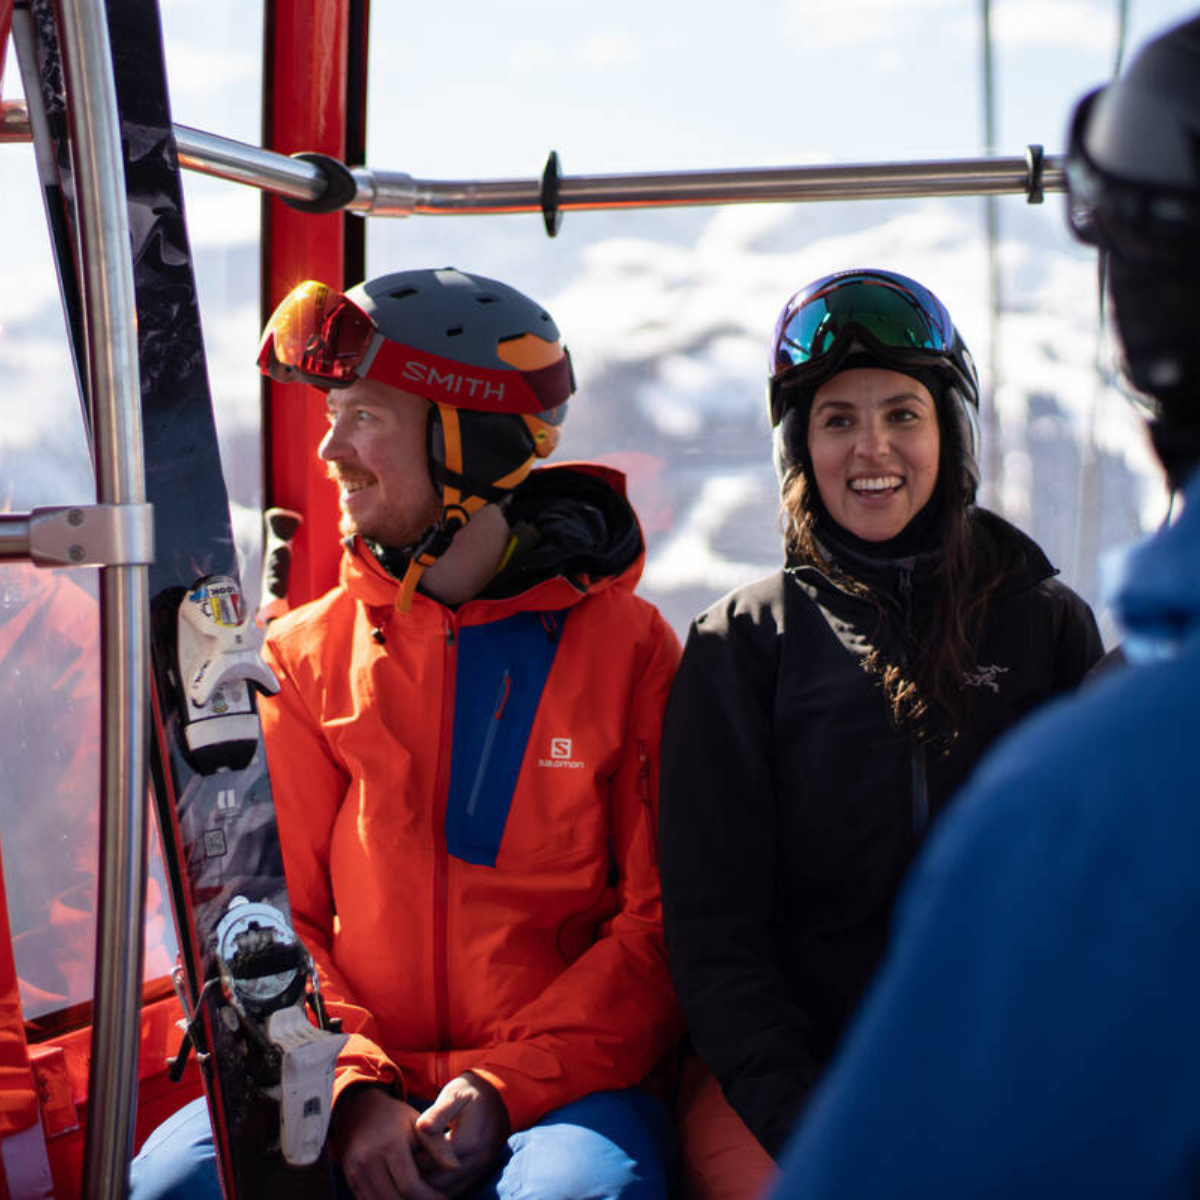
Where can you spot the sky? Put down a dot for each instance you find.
(478, 89)
(483, 89)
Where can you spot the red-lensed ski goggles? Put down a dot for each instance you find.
(321, 337)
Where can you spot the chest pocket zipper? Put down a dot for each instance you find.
(512, 659)
(489, 741)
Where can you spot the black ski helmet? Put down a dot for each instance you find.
(870, 317)
(488, 359)
(1133, 190)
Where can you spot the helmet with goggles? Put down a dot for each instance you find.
(1133, 161)
(1133, 190)
(869, 318)
(488, 359)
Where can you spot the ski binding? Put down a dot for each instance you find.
(218, 662)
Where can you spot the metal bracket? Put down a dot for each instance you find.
(97, 535)
(340, 185)
(551, 184)
(1035, 160)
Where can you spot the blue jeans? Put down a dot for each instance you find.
(608, 1145)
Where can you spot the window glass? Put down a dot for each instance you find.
(668, 312)
(49, 631)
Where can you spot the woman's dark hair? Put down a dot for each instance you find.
(925, 692)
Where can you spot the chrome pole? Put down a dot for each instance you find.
(111, 318)
(380, 193)
(753, 185)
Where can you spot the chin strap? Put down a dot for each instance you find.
(432, 544)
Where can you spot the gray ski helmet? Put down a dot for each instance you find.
(1133, 190)
(870, 318)
(487, 358)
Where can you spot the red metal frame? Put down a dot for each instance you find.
(314, 99)
(18, 1089)
(6, 12)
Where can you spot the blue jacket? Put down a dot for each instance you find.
(1035, 1028)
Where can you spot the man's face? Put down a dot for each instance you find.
(375, 451)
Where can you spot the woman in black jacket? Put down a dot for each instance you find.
(822, 717)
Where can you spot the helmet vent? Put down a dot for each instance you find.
(402, 293)
(454, 331)
(485, 299)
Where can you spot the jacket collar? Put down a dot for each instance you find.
(364, 577)
(1024, 563)
(1155, 593)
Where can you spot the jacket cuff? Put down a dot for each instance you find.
(362, 1062)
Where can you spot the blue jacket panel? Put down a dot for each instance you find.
(1033, 1030)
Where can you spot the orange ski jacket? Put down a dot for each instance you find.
(467, 809)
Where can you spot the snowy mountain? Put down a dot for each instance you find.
(668, 315)
(672, 369)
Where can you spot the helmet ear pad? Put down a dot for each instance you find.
(960, 437)
(476, 453)
(789, 439)
(1156, 307)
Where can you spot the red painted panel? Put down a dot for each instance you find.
(6, 11)
(308, 49)
(25, 1169)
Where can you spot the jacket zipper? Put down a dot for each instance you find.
(441, 864)
(920, 784)
(644, 792)
(920, 789)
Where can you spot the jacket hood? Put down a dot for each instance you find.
(576, 533)
(572, 521)
(1156, 593)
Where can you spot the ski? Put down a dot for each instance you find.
(244, 979)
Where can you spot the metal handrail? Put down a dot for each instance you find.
(380, 193)
(110, 315)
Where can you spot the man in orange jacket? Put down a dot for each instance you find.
(464, 759)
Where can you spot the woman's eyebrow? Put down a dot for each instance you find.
(905, 397)
(832, 402)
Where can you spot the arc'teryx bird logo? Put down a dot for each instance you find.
(985, 677)
(560, 755)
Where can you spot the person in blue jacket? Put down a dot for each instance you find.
(1033, 1031)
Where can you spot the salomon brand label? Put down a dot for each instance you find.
(560, 756)
(453, 383)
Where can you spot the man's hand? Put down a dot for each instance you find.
(469, 1121)
(376, 1142)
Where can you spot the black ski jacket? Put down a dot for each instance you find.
(791, 805)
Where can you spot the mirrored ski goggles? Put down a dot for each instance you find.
(319, 336)
(887, 314)
(1135, 220)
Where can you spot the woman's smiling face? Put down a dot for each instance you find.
(874, 442)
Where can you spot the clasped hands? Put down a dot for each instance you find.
(389, 1151)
